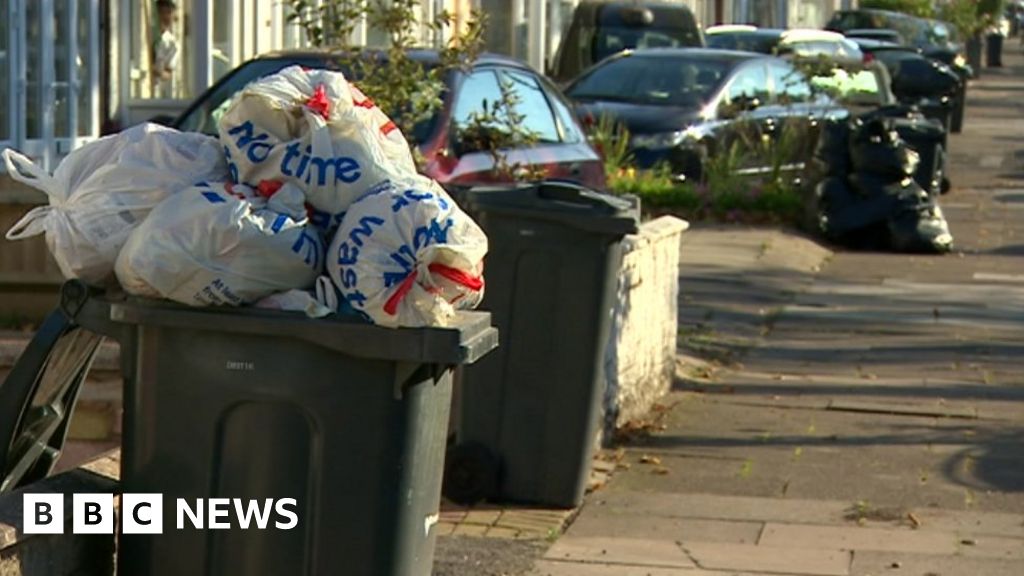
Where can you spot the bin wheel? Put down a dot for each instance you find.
(946, 185)
(471, 474)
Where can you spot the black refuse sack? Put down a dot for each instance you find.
(846, 212)
(876, 148)
(833, 149)
(921, 230)
(867, 212)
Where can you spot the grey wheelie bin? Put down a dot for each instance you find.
(528, 413)
(347, 418)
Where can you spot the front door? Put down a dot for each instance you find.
(49, 65)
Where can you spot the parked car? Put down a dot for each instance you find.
(683, 106)
(880, 34)
(601, 28)
(935, 38)
(800, 42)
(562, 150)
(917, 79)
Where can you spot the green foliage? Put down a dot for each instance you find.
(725, 193)
(611, 140)
(406, 89)
(919, 8)
(964, 15)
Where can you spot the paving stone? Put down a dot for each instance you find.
(660, 527)
(870, 563)
(992, 547)
(967, 523)
(553, 568)
(641, 552)
(501, 532)
(857, 538)
(717, 507)
(512, 520)
(444, 528)
(482, 517)
(743, 557)
(469, 530)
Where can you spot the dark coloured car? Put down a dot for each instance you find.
(683, 106)
(743, 38)
(935, 39)
(561, 150)
(799, 42)
(879, 34)
(917, 79)
(601, 28)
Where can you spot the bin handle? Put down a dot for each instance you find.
(572, 193)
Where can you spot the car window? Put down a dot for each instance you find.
(205, 115)
(750, 82)
(653, 80)
(611, 40)
(477, 93)
(567, 124)
(743, 41)
(534, 107)
(790, 85)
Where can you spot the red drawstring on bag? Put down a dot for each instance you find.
(267, 188)
(319, 103)
(474, 283)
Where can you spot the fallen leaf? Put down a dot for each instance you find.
(914, 519)
(660, 470)
(647, 459)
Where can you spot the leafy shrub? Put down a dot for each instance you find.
(919, 8)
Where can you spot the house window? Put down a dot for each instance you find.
(160, 48)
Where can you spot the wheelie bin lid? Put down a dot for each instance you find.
(466, 338)
(560, 201)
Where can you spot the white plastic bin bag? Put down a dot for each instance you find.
(100, 192)
(314, 129)
(223, 244)
(407, 255)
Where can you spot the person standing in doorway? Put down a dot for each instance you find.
(165, 50)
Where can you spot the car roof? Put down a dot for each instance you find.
(809, 35)
(871, 32)
(743, 30)
(426, 56)
(720, 28)
(697, 53)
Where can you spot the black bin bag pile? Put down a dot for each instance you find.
(880, 191)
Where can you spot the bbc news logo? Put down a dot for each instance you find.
(144, 514)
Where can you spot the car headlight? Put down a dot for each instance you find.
(959, 61)
(659, 141)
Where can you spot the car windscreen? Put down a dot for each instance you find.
(654, 80)
(204, 115)
(744, 41)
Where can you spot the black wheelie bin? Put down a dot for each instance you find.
(347, 418)
(529, 412)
